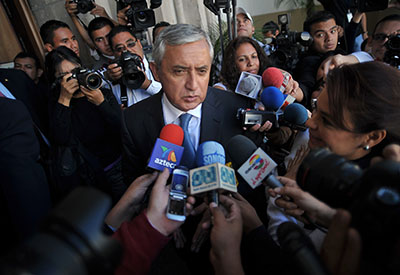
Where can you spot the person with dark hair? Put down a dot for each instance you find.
(270, 29)
(95, 34)
(55, 33)
(29, 63)
(122, 39)
(387, 26)
(98, 30)
(86, 122)
(242, 54)
(158, 28)
(356, 116)
(324, 31)
(244, 27)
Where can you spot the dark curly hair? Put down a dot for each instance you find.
(230, 73)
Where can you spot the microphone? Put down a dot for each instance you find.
(167, 151)
(298, 246)
(272, 98)
(249, 85)
(295, 116)
(273, 77)
(211, 174)
(252, 163)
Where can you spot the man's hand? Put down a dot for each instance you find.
(94, 96)
(71, 7)
(249, 215)
(341, 250)
(129, 203)
(121, 15)
(337, 60)
(156, 212)
(99, 11)
(226, 235)
(114, 72)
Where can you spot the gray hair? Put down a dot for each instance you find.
(178, 34)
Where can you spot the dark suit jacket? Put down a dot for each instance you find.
(24, 193)
(142, 124)
(24, 89)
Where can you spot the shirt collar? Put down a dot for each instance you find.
(171, 113)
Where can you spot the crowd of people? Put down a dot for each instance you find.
(65, 126)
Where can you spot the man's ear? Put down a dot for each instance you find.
(48, 47)
(252, 30)
(375, 137)
(154, 70)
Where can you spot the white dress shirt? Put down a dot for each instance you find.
(136, 95)
(171, 115)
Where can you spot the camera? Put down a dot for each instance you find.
(251, 117)
(289, 45)
(139, 15)
(87, 78)
(372, 196)
(84, 6)
(392, 54)
(71, 240)
(293, 116)
(132, 78)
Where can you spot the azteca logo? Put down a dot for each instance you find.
(168, 154)
(256, 162)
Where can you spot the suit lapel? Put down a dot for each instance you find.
(211, 118)
(155, 115)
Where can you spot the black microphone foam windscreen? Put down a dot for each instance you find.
(239, 148)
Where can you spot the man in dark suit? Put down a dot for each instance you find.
(24, 89)
(24, 193)
(182, 62)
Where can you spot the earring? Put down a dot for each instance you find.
(366, 147)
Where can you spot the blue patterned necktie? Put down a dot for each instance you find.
(189, 154)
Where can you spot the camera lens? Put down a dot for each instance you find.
(394, 43)
(93, 81)
(141, 16)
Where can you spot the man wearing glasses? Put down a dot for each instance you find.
(387, 26)
(122, 39)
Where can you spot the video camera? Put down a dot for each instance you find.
(84, 6)
(392, 54)
(289, 45)
(87, 78)
(132, 78)
(372, 196)
(139, 15)
(71, 240)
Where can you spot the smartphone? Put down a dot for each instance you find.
(176, 209)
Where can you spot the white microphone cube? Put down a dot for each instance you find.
(249, 85)
(212, 177)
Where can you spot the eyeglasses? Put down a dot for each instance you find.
(123, 48)
(380, 36)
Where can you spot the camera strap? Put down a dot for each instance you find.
(124, 96)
